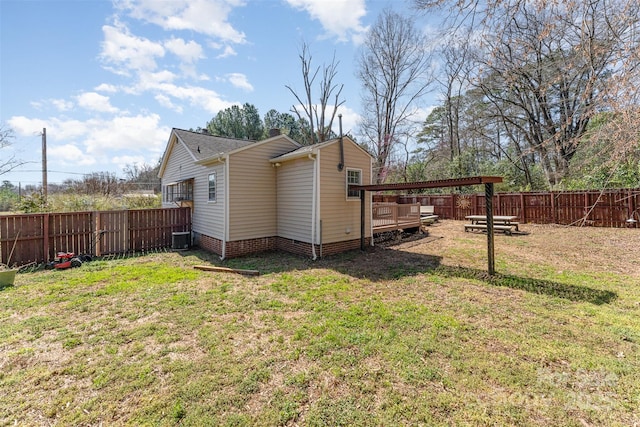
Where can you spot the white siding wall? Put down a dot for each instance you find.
(208, 218)
(295, 186)
(341, 217)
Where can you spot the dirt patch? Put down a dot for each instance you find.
(586, 249)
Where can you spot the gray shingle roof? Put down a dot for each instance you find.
(204, 146)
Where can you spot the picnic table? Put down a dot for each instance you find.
(504, 223)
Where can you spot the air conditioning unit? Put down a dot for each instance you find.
(180, 240)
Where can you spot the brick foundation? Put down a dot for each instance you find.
(338, 247)
(208, 243)
(252, 246)
(295, 247)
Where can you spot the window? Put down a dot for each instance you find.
(354, 176)
(179, 191)
(212, 187)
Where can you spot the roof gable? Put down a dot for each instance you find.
(313, 149)
(204, 148)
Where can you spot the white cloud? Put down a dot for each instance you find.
(165, 101)
(123, 161)
(123, 52)
(97, 141)
(197, 97)
(58, 104)
(339, 18)
(350, 120)
(105, 87)
(95, 102)
(68, 155)
(228, 51)
(25, 126)
(130, 133)
(188, 52)
(151, 80)
(62, 104)
(208, 17)
(239, 80)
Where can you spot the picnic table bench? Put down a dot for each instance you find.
(505, 223)
(427, 216)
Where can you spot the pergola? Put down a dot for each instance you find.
(488, 182)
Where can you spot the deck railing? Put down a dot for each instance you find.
(393, 216)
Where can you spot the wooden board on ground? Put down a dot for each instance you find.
(226, 270)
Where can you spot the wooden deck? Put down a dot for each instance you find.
(392, 216)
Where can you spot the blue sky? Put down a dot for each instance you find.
(108, 80)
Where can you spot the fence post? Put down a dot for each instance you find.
(453, 206)
(554, 213)
(45, 237)
(97, 236)
(127, 233)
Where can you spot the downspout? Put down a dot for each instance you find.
(341, 164)
(314, 198)
(225, 233)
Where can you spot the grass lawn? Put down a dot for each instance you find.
(413, 333)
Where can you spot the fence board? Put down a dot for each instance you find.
(610, 208)
(38, 237)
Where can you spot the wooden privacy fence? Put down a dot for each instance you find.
(610, 208)
(37, 238)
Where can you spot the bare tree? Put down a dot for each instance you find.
(393, 68)
(548, 68)
(319, 115)
(7, 164)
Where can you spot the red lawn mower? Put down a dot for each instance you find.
(67, 260)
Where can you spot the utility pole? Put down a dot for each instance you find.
(44, 163)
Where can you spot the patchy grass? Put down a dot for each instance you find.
(407, 334)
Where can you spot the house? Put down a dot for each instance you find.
(253, 196)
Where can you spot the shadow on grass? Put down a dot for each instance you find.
(375, 263)
(381, 264)
(529, 284)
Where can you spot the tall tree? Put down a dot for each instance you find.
(298, 130)
(548, 67)
(320, 115)
(237, 122)
(393, 67)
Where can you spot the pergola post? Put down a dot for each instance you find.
(362, 219)
(456, 182)
(488, 194)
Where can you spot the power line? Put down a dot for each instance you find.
(52, 171)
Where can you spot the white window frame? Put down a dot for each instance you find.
(215, 187)
(359, 171)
